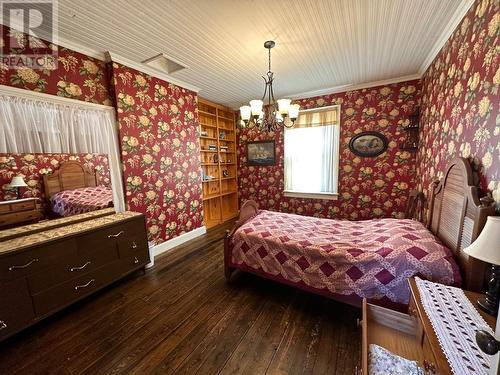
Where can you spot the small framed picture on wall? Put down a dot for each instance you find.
(261, 153)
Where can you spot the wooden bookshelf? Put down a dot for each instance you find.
(217, 135)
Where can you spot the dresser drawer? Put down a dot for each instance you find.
(19, 217)
(16, 310)
(70, 268)
(132, 245)
(23, 205)
(39, 258)
(63, 294)
(393, 331)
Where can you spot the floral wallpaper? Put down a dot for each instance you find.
(34, 166)
(71, 75)
(459, 115)
(368, 187)
(160, 150)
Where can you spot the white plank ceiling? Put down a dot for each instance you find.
(320, 44)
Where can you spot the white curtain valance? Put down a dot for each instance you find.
(318, 117)
(37, 125)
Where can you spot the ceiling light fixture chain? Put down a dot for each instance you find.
(272, 115)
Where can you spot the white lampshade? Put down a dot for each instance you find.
(278, 116)
(293, 112)
(486, 247)
(245, 112)
(17, 181)
(256, 106)
(284, 106)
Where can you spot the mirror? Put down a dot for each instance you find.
(37, 187)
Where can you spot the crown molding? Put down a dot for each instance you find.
(344, 88)
(452, 24)
(113, 57)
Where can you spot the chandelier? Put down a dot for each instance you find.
(268, 117)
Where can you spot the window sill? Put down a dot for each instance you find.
(297, 194)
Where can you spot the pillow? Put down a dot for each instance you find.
(383, 362)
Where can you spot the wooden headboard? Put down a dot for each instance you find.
(70, 175)
(457, 216)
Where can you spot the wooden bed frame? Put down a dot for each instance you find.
(456, 215)
(70, 175)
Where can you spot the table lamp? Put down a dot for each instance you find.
(486, 247)
(18, 182)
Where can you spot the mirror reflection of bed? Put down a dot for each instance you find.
(73, 189)
(69, 188)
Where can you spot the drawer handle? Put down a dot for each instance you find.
(72, 269)
(84, 285)
(116, 235)
(136, 260)
(134, 245)
(2, 325)
(12, 268)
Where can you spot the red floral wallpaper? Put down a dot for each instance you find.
(368, 187)
(73, 75)
(460, 101)
(34, 166)
(160, 151)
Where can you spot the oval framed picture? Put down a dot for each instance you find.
(368, 144)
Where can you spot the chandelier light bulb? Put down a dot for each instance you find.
(246, 112)
(256, 106)
(284, 106)
(293, 112)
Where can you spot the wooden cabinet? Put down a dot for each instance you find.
(408, 335)
(19, 211)
(218, 161)
(38, 278)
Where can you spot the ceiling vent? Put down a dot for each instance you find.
(164, 63)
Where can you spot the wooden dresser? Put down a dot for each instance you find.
(408, 335)
(43, 272)
(19, 211)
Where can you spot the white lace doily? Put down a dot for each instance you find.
(455, 322)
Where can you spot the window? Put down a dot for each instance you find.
(312, 154)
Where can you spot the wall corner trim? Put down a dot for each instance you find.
(453, 23)
(179, 240)
(113, 57)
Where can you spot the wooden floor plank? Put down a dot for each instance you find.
(182, 317)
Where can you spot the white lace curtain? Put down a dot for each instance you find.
(40, 125)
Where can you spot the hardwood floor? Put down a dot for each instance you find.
(182, 318)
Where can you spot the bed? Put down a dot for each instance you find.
(73, 189)
(349, 261)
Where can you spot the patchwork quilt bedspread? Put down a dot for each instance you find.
(79, 201)
(357, 259)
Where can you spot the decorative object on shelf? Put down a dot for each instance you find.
(18, 182)
(368, 144)
(222, 135)
(224, 148)
(204, 133)
(216, 158)
(225, 173)
(212, 147)
(486, 247)
(261, 153)
(412, 129)
(272, 115)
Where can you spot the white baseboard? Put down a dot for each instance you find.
(179, 240)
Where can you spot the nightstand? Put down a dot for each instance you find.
(408, 335)
(19, 211)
